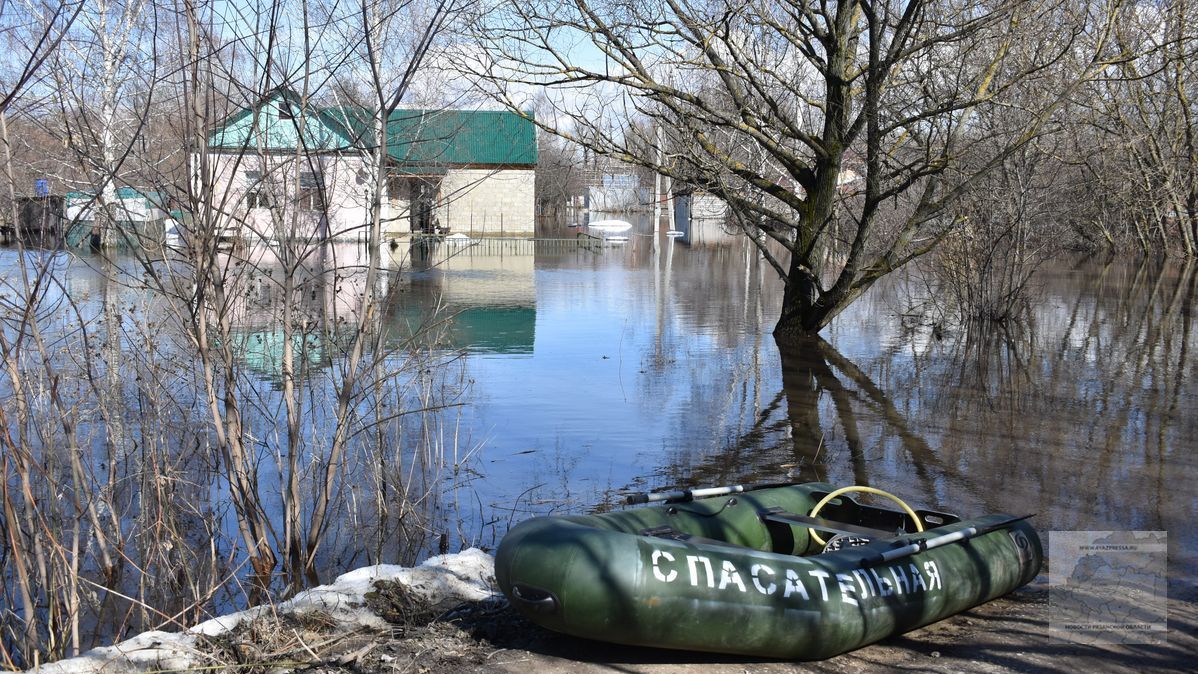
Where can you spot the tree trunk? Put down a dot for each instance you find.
(802, 312)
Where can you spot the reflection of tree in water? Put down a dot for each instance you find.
(1079, 411)
(1135, 332)
(1080, 414)
(718, 297)
(829, 422)
(993, 361)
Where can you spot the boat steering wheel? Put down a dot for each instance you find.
(865, 490)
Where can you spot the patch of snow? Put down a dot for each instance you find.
(445, 579)
(148, 651)
(227, 623)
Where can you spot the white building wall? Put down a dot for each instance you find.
(473, 201)
(488, 202)
(347, 184)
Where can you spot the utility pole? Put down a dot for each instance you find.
(657, 186)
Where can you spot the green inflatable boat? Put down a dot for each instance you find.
(794, 571)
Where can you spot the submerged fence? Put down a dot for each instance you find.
(509, 246)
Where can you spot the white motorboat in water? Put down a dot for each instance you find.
(609, 231)
(610, 228)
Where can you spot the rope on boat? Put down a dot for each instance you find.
(865, 490)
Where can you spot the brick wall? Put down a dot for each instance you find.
(482, 202)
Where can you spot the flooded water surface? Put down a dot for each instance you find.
(631, 369)
(566, 376)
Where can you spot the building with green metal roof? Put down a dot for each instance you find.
(468, 171)
(140, 217)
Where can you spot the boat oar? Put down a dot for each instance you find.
(700, 492)
(937, 541)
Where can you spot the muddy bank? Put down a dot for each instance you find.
(1007, 635)
(443, 618)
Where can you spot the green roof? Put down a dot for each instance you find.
(153, 198)
(493, 137)
(414, 137)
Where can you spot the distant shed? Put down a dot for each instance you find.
(138, 217)
(40, 221)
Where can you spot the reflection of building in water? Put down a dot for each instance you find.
(329, 283)
(442, 295)
(708, 232)
(467, 297)
(325, 302)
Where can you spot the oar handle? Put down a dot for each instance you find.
(937, 541)
(699, 492)
(683, 494)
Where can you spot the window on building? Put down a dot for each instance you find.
(311, 192)
(258, 198)
(285, 112)
(397, 187)
(257, 194)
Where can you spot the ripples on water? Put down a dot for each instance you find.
(646, 369)
(586, 372)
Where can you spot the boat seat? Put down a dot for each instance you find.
(780, 516)
(670, 533)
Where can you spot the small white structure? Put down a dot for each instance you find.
(696, 205)
(617, 192)
(138, 216)
(609, 227)
(131, 205)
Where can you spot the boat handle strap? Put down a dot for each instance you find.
(534, 599)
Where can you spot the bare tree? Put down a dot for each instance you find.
(163, 381)
(983, 269)
(102, 84)
(834, 130)
(559, 176)
(1134, 137)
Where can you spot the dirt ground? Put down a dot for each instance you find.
(1006, 635)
